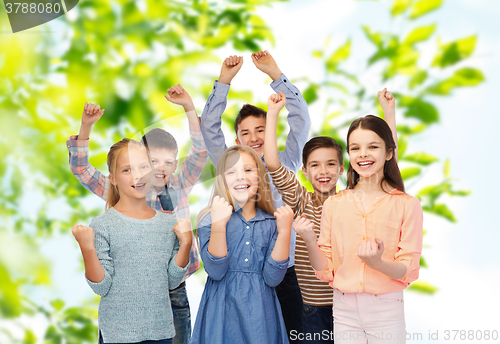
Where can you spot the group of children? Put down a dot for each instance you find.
(284, 265)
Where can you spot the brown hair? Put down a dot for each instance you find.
(159, 139)
(248, 110)
(392, 175)
(114, 152)
(321, 142)
(264, 194)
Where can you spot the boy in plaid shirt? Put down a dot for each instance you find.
(169, 193)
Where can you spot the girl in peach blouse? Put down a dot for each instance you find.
(371, 240)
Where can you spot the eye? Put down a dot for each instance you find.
(249, 170)
(314, 165)
(154, 161)
(354, 148)
(261, 130)
(126, 170)
(145, 167)
(331, 164)
(244, 134)
(229, 172)
(169, 163)
(373, 147)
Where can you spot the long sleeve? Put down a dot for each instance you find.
(211, 121)
(291, 191)
(274, 271)
(190, 170)
(175, 272)
(325, 242)
(103, 253)
(298, 121)
(91, 179)
(410, 245)
(215, 267)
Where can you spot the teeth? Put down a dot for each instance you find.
(324, 179)
(241, 187)
(159, 175)
(256, 146)
(365, 163)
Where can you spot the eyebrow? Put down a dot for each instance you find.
(314, 161)
(259, 127)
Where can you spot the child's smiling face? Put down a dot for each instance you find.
(367, 153)
(252, 132)
(133, 173)
(242, 178)
(164, 165)
(323, 169)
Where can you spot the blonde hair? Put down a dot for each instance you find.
(114, 152)
(264, 193)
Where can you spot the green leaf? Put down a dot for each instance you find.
(29, 337)
(420, 158)
(462, 78)
(417, 108)
(417, 79)
(304, 181)
(410, 172)
(375, 38)
(57, 304)
(423, 7)
(454, 52)
(310, 94)
(420, 34)
(400, 6)
(341, 54)
(446, 168)
(442, 210)
(423, 263)
(422, 287)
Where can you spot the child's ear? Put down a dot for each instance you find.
(341, 169)
(176, 163)
(389, 154)
(111, 179)
(304, 171)
(237, 142)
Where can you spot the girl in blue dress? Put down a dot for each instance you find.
(245, 254)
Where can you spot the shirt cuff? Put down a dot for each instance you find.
(282, 79)
(278, 265)
(217, 260)
(279, 172)
(220, 89)
(75, 145)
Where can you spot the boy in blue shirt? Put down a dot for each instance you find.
(250, 126)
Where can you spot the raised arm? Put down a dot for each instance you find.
(298, 113)
(78, 148)
(388, 104)
(275, 103)
(195, 161)
(215, 106)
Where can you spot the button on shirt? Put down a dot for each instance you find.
(396, 218)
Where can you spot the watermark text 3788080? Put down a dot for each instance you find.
(25, 14)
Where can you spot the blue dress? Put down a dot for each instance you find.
(239, 304)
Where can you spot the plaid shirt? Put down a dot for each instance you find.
(190, 171)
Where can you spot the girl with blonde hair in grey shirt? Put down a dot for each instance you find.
(133, 254)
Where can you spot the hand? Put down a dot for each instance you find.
(305, 229)
(284, 219)
(178, 95)
(265, 62)
(220, 211)
(91, 114)
(386, 100)
(182, 230)
(276, 102)
(84, 236)
(371, 252)
(230, 67)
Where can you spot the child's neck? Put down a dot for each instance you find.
(323, 196)
(249, 210)
(136, 208)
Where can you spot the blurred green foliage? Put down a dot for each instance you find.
(125, 54)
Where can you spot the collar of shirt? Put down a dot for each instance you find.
(259, 216)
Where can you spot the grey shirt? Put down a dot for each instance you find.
(138, 257)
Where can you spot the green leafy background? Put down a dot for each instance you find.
(437, 57)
